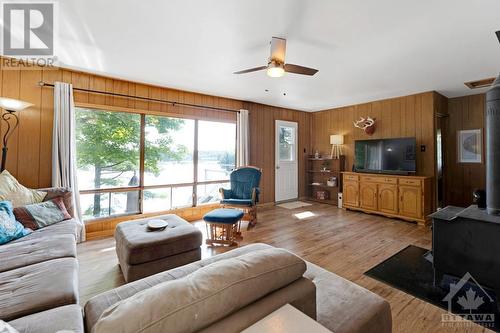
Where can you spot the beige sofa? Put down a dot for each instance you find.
(340, 305)
(39, 277)
(39, 289)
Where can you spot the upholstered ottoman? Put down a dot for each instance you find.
(142, 252)
(223, 225)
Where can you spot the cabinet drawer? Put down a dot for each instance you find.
(351, 177)
(410, 182)
(370, 179)
(385, 180)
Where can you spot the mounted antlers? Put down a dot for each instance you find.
(366, 124)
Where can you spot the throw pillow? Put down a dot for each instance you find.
(207, 295)
(6, 328)
(10, 229)
(13, 191)
(42, 214)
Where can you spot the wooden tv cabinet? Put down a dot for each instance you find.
(405, 197)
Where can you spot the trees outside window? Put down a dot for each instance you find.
(130, 163)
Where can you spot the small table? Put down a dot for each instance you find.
(223, 225)
(286, 319)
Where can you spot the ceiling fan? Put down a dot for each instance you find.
(276, 66)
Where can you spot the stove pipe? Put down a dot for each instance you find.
(493, 148)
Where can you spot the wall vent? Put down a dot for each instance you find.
(480, 83)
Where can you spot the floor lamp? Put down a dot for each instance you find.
(11, 106)
(336, 141)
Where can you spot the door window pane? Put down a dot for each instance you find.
(107, 147)
(157, 200)
(208, 193)
(108, 204)
(169, 146)
(286, 143)
(216, 150)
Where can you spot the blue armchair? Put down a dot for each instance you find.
(244, 192)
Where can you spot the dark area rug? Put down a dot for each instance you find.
(411, 271)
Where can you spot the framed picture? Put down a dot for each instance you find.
(470, 146)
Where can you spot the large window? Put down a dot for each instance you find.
(132, 163)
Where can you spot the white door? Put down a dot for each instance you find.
(287, 173)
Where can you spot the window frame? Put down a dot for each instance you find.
(142, 187)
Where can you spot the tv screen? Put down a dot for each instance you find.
(385, 156)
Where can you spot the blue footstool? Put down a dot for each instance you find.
(223, 225)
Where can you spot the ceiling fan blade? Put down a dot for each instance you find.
(251, 70)
(498, 35)
(278, 49)
(296, 69)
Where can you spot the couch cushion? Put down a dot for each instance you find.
(10, 229)
(62, 319)
(205, 296)
(67, 227)
(97, 304)
(238, 202)
(345, 307)
(135, 244)
(42, 214)
(13, 191)
(301, 294)
(6, 328)
(38, 287)
(60, 192)
(33, 251)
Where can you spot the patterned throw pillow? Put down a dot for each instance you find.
(11, 190)
(42, 214)
(10, 229)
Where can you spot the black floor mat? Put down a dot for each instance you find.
(410, 271)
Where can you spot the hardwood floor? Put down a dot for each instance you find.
(346, 243)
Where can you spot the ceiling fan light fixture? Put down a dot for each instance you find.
(275, 70)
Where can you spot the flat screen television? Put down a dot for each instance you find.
(391, 156)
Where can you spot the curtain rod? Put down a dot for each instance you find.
(45, 84)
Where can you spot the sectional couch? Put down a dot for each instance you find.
(39, 277)
(336, 303)
(39, 290)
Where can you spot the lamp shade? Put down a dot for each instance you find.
(11, 104)
(336, 139)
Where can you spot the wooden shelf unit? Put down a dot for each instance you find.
(405, 197)
(316, 174)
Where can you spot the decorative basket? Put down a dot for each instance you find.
(322, 195)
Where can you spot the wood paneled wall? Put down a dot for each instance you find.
(262, 143)
(463, 178)
(30, 146)
(409, 116)
(29, 156)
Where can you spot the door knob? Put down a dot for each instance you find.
(277, 167)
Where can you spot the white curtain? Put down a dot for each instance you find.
(64, 147)
(243, 139)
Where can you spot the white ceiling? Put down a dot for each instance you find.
(364, 50)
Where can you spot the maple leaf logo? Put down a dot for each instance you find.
(470, 301)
